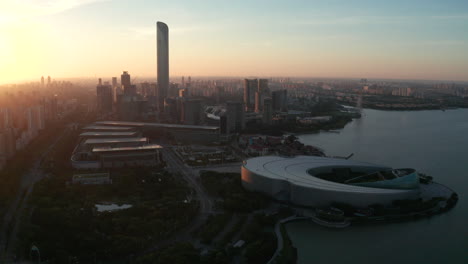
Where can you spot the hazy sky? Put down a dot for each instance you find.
(374, 39)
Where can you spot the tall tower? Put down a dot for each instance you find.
(42, 81)
(162, 38)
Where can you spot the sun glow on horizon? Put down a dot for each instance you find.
(72, 38)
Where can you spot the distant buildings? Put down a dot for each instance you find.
(255, 90)
(402, 91)
(162, 37)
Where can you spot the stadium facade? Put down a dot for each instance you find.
(320, 181)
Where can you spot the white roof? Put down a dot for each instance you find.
(104, 134)
(115, 140)
(154, 125)
(95, 127)
(295, 170)
(123, 149)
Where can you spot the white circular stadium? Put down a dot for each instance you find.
(319, 181)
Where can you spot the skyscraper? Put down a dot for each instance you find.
(42, 81)
(48, 80)
(125, 79)
(250, 87)
(267, 111)
(128, 88)
(280, 100)
(114, 82)
(162, 38)
(104, 97)
(235, 116)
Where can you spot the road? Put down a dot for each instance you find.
(11, 220)
(176, 166)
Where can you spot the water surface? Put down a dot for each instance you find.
(432, 142)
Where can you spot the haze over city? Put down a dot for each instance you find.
(373, 39)
(233, 132)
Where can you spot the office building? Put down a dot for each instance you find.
(250, 88)
(162, 38)
(280, 100)
(191, 112)
(104, 98)
(235, 116)
(128, 88)
(171, 110)
(267, 111)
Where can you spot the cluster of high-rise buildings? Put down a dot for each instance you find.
(22, 117)
(184, 102)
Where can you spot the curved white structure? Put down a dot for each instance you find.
(291, 179)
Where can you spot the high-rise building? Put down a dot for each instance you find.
(250, 87)
(263, 86)
(183, 82)
(235, 116)
(104, 97)
(162, 38)
(258, 102)
(267, 110)
(114, 82)
(170, 109)
(191, 113)
(42, 81)
(126, 83)
(125, 79)
(48, 81)
(184, 93)
(280, 100)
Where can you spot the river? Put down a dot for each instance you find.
(432, 142)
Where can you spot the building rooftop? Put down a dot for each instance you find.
(121, 149)
(300, 169)
(114, 128)
(154, 125)
(115, 140)
(108, 134)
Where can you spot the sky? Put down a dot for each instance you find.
(291, 38)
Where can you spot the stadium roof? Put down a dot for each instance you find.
(109, 149)
(296, 170)
(154, 125)
(115, 140)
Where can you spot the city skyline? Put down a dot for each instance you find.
(302, 39)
